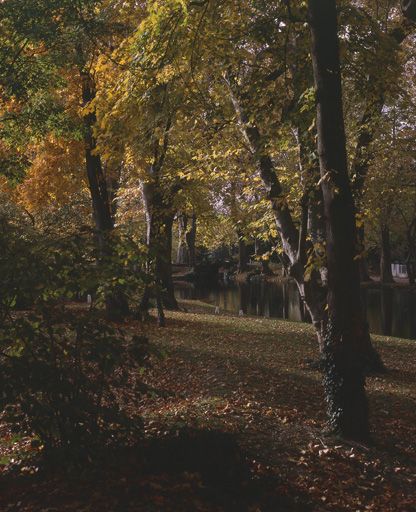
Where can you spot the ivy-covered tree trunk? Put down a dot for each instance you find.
(346, 333)
(117, 307)
(386, 275)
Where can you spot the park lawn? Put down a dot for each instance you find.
(247, 377)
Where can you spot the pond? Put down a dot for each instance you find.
(390, 310)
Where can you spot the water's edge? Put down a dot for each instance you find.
(390, 311)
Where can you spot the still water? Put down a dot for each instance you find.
(390, 311)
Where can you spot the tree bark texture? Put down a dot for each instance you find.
(346, 334)
(186, 239)
(117, 307)
(159, 220)
(182, 254)
(190, 237)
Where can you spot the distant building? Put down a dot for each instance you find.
(399, 270)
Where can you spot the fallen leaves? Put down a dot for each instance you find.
(245, 376)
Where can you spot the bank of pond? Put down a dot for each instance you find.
(390, 311)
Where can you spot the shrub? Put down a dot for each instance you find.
(39, 266)
(63, 377)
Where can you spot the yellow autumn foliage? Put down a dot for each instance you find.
(56, 175)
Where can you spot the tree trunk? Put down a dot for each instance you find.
(182, 255)
(386, 275)
(164, 263)
(411, 272)
(191, 241)
(117, 307)
(242, 253)
(159, 219)
(294, 242)
(309, 166)
(346, 333)
(158, 201)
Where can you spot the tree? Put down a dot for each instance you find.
(186, 239)
(386, 45)
(346, 333)
(70, 35)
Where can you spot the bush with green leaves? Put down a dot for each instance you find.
(44, 265)
(64, 371)
(64, 376)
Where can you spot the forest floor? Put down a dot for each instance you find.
(234, 423)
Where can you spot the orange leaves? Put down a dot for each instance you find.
(55, 176)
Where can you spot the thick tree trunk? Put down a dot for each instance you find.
(346, 334)
(187, 240)
(164, 263)
(96, 179)
(386, 275)
(117, 307)
(159, 218)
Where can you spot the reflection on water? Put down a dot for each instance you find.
(390, 311)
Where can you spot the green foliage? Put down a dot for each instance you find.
(63, 376)
(63, 372)
(41, 267)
